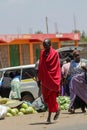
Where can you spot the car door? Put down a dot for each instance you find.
(28, 83)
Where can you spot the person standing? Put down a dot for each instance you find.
(65, 80)
(74, 68)
(75, 65)
(49, 75)
(15, 92)
(76, 73)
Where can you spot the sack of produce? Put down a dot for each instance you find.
(39, 105)
(3, 111)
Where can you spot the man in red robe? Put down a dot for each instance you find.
(49, 74)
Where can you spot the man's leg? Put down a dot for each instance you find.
(57, 114)
(49, 117)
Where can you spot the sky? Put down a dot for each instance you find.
(29, 16)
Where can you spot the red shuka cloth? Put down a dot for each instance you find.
(49, 74)
(50, 99)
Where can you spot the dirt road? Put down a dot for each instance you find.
(38, 122)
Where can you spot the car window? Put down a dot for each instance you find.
(12, 73)
(28, 73)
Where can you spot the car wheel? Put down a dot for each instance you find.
(27, 97)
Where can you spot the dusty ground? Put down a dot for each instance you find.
(38, 121)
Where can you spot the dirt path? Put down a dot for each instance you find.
(38, 121)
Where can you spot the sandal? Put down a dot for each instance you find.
(71, 110)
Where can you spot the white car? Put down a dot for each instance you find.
(29, 88)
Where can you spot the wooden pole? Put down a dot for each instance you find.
(76, 43)
(31, 53)
(20, 54)
(8, 55)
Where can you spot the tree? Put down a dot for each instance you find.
(38, 32)
(83, 35)
(76, 31)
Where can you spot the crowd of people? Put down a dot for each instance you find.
(76, 83)
(72, 75)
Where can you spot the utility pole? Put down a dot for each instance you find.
(75, 28)
(30, 31)
(19, 30)
(56, 28)
(47, 24)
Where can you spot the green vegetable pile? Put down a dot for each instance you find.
(15, 107)
(21, 110)
(64, 102)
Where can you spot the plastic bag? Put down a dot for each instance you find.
(39, 105)
(3, 111)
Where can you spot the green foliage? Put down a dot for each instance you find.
(39, 32)
(83, 37)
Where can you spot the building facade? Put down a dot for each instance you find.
(25, 48)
